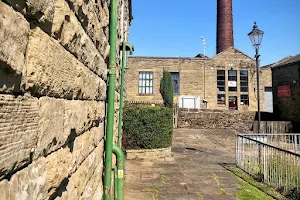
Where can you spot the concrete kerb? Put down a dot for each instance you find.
(148, 154)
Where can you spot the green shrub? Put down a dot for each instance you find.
(146, 127)
(167, 89)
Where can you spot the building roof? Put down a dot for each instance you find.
(236, 50)
(289, 60)
(165, 57)
(276, 63)
(198, 57)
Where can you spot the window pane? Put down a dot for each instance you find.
(221, 78)
(221, 83)
(232, 78)
(221, 99)
(244, 78)
(222, 89)
(176, 77)
(145, 82)
(244, 100)
(244, 73)
(231, 72)
(244, 89)
(221, 72)
(151, 90)
(232, 89)
(244, 83)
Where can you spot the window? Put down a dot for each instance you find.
(146, 83)
(221, 80)
(221, 99)
(175, 76)
(244, 80)
(244, 99)
(232, 79)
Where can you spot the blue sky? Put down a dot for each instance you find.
(174, 27)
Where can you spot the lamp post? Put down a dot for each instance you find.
(256, 36)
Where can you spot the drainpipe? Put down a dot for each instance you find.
(119, 181)
(111, 98)
(114, 168)
(125, 47)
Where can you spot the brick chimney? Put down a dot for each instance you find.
(224, 25)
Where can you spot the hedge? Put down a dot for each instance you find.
(147, 127)
(167, 89)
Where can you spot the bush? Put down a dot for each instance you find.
(146, 127)
(167, 89)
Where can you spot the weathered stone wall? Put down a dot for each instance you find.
(216, 119)
(53, 80)
(198, 77)
(287, 108)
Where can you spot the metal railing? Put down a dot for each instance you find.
(272, 158)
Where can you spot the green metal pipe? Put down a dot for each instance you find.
(111, 98)
(125, 47)
(122, 95)
(120, 166)
(115, 182)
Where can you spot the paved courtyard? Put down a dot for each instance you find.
(194, 170)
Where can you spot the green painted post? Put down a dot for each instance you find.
(111, 98)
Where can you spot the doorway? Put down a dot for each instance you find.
(233, 103)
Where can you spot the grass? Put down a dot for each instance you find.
(200, 196)
(251, 187)
(249, 192)
(222, 191)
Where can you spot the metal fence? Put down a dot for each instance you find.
(272, 158)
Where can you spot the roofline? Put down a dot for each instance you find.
(285, 65)
(232, 47)
(165, 57)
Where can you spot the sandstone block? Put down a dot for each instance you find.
(70, 158)
(4, 191)
(94, 188)
(18, 131)
(40, 10)
(69, 32)
(29, 183)
(93, 19)
(51, 135)
(61, 121)
(52, 71)
(14, 35)
(80, 179)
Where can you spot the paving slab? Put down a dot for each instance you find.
(193, 171)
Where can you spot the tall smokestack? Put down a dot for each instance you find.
(224, 25)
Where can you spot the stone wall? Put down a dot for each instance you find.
(287, 108)
(53, 80)
(198, 77)
(216, 119)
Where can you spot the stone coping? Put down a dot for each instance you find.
(148, 154)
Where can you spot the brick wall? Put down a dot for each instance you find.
(193, 81)
(53, 79)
